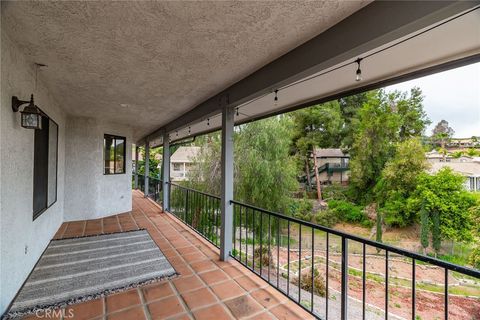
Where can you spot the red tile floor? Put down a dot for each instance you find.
(206, 288)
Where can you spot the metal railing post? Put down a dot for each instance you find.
(136, 166)
(147, 168)
(344, 292)
(166, 171)
(227, 183)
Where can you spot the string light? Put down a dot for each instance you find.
(189, 130)
(237, 112)
(208, 121)
(358, 76)
(176, 133)
(275, 100)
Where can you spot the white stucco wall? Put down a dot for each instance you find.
(90, 194)
(18, 232)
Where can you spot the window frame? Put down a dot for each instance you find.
(37, 214)
(114, 138)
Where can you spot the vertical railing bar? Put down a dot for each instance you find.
(246, 237)
(326, 275)
(344, 290)
(446, 294)
(240, 246)
(269, 245)
(364, 269)
(386, 284)
(278, 251)
(299, 263)
(288, 259)
(235, 219)
(261, 243)
(253, 251)
(414, 296)
(312, 269)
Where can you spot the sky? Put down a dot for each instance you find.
(452, 95)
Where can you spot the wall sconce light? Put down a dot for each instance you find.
(31, 115)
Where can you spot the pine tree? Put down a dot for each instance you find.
(436, 236)
(424, 228)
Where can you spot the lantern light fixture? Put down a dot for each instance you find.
(358, 76)
(31, 115)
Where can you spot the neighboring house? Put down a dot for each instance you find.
(181, 162)
(471, 171)
(463, 143)
(333, 166)
(435, 156)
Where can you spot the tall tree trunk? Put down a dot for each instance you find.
(307, 171)
(315, 167)
(444, 152)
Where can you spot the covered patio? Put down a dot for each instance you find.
(206, 288)
(96, 80)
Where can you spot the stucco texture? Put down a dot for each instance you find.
(88, 192)
(144, 63)
(17, 228)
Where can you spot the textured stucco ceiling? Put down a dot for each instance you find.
(146, 63)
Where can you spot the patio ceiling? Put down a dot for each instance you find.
(146, 63)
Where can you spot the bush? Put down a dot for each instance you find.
(262, 255)
(334, 192)
(347, 211)
(474, 258)
(319, 287)
(326, 218)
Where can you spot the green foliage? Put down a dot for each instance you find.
(471, 152)
(347, 211)
(319, 287)
(379, 233)
(264, 172)
(425, 227)
(398, 181)
(326, 218)
(436, 234)
(444, 193)
(302, 209)
(442, 133)
(474, 258)
(335, 191)
(154, 161)
(384, 120)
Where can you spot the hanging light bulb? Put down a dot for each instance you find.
(189, 130)
(359, 71)
(275, 100)
(237, 112)
(208, 122)
(176, 133)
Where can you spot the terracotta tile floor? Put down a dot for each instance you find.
(206, 288)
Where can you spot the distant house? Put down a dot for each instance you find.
(463, 143)
(435, 156)
(333, 166)
(181, 162)
(471, 171)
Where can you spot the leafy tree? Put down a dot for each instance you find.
(425, 227)
(264, 172)
(349, 107)
(384, 120)
(316, 126)
(442, 133)
(399, 180)
(154, 161)
(444, 193)
(436, 233)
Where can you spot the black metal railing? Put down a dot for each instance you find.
(155, 189)
(329, 273)
(317, 267)
(199, 210)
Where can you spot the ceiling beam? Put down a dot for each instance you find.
(373, 26)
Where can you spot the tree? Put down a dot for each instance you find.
(349, 107)
(436, 233)
(264, 172)
(444, 193)
(425, 227)
(399, 180)
(441, 134)
(316, 126)
(384, 120)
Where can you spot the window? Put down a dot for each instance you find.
(45, 158)
(114, 154)
(176, 167)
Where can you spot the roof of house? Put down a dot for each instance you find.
(330, 153)
(465, 168)
(185, 154)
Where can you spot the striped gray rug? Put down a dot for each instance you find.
(81, 269)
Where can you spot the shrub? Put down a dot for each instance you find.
(347, 211)
(326, 218)
(319, 287)
(334, 192)
(262, 255)
(474, 258)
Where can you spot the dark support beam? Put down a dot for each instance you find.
(376, 24)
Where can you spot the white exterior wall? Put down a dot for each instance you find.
(17, 228)
(89, 194)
